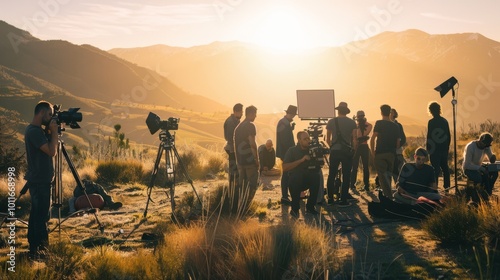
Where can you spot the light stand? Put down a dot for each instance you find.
(57, 187)
(443, 90)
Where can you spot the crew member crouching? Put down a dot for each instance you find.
(303, 174)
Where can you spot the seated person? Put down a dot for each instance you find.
(303, 174)
(93, 188)
(416, 181)
(267, 158)
(472, 165)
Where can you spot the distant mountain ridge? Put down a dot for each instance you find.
(397, 68)
(92, 73)
(200, 84)
(108, 89)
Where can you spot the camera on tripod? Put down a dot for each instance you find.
(167, 146)
(71, 117)
(154, 123)
(317, 149)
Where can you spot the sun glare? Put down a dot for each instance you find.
(283, 29)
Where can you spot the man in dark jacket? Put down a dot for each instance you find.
(284, 141)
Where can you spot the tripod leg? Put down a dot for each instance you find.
(80, 185)
(184, 171)
(153, 177)
(170, 183)
(57, 184)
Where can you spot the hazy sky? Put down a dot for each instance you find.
(282, 25)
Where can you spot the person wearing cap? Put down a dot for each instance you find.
(416, 180)
(438, 143)
(384, 142)
(229, 125)
(284, 141)
(362, 131)
(340, 135)
(474, 154)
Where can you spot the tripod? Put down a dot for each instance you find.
(57, 193)
(167, 145)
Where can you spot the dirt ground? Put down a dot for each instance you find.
(367, 244)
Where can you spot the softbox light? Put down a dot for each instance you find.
(446, 86)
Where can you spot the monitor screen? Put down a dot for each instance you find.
(316, 104)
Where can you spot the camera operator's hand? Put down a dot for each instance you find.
(306, 157)
(53, 126)
(493, 159)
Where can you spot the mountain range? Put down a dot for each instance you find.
(200, 84)
(396, 68)
(108, 89)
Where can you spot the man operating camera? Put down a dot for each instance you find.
(41, 147)
(302, 176)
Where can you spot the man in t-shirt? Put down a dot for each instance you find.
(438, 143)
(267, 159)
(474, 154)
(247, 157)
(340, 135)
(229, 125)
(386, 136)
(399, 160)
(417, 180)
(41, 147)
(303, 175)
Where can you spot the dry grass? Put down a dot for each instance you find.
(260, 243)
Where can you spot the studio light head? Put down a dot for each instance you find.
(154, 123)
(446, 86)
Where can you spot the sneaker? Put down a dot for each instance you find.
(312, 211)
(351, 198)
(344, 204)
(285, 201)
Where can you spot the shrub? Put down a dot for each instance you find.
(214, 166)
(66, 260)
(108, 264)
(489, 214)
(192, 164)
(115, 171)
(456, 224)
(246, 250)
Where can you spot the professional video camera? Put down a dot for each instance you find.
(70, 117)
(317, 148)
(154, 123)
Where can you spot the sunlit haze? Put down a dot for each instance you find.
(278, 25)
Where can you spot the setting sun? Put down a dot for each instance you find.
(283, 29)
